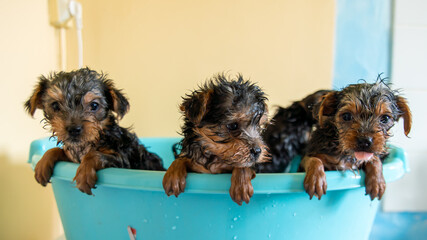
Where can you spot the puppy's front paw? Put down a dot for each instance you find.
(43, 171)
(44, 168)
(174, 180)
(315, 182)
(375, 186)
(241, 189)
(85, 179)
(241, 192)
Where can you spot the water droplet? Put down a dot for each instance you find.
(177, 217)
(173, 227)
(145, 220)
(235, 237)
(229, 208)
(239, 216)
(231, 226)
(235, 219)
(274, 205)
(295, 214)
(269, 235)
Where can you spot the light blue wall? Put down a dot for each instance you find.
(362, 51)
(362, 40)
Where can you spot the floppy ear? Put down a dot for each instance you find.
(402, 104)
(35, 101)
(328, 106)
(195, 106)
(116, 100)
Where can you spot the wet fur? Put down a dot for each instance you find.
(66, 99)
(333, 144)
(288, 132)
(210, 146)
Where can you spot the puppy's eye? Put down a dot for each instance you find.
(55, 106)
(232, 126)
(347, 116)
(94, 106)
(385, 119)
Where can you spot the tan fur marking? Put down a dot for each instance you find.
(55, 93)
(90, 96)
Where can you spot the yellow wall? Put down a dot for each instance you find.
(159, 50)
(28, 48)
(156, 51)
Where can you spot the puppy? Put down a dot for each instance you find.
(78, 106)
(354, 125)
(287, 134)
(222, 128)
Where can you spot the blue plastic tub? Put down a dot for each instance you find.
(279, 209)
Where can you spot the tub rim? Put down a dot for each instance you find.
(394, 167)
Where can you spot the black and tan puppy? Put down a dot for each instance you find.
(354, 125)
(288, 132)
(222, 128)
(78, 106)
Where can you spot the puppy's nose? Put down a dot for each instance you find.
(364, 143)
(255, 152)
(74, 131)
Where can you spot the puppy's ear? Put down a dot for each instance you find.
(35, 101)
(195, 106)
(328, 106)
(116, 100)
(402, 104)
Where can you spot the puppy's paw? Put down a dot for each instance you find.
(241, 189)
(375, 186)
(43, 171)
(315, 182)
(241, 192)
(174, 181)
(85, 179)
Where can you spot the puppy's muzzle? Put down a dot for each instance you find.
(74, 131)
(364, 143)
(255, 153)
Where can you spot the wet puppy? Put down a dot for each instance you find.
(222, 128)
(354, 125)
(78, 106)
(288, 132)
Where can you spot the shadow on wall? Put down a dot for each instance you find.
(25, 206)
